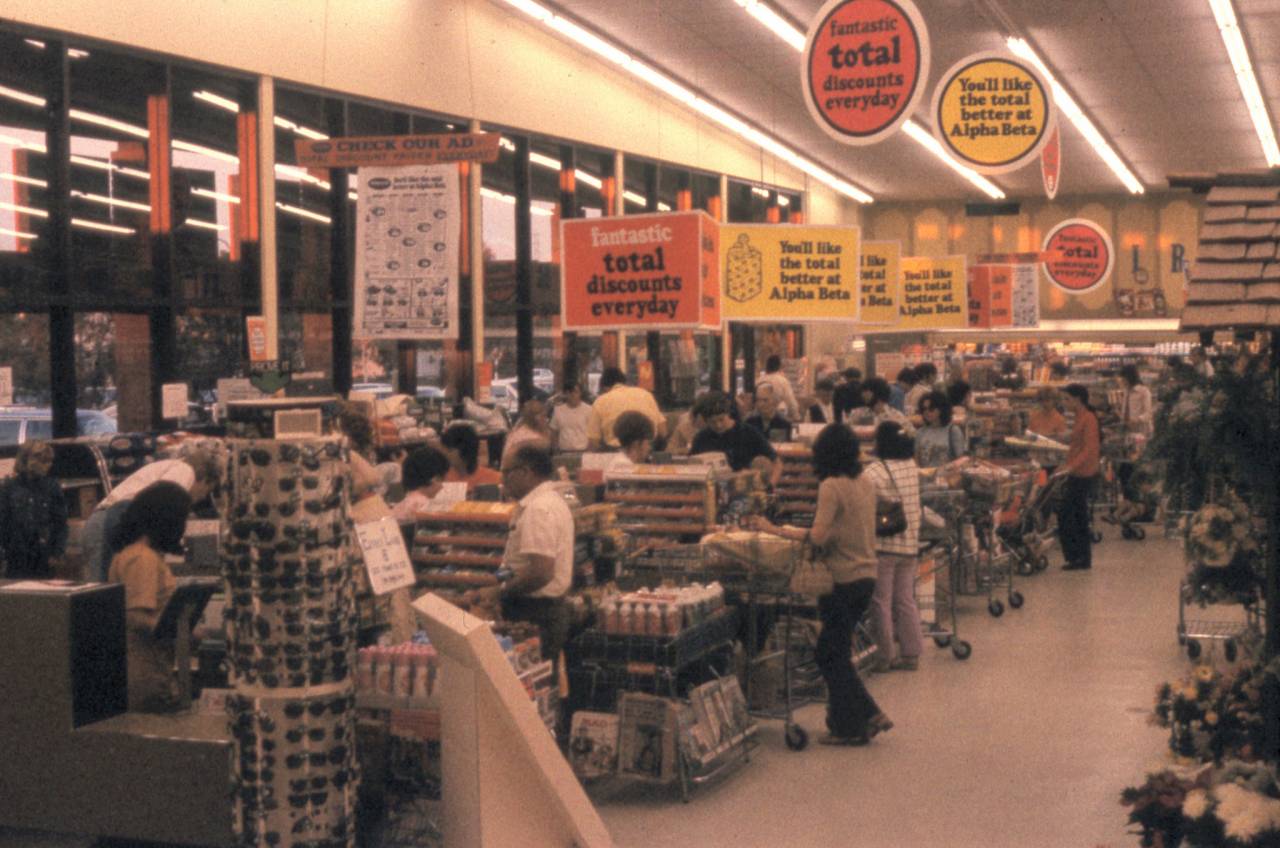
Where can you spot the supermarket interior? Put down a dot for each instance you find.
(483, 423)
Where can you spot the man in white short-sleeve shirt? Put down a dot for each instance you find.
(539, 549)
(569, 421)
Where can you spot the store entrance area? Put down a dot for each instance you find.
(1026, 743)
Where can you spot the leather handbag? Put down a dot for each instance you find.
(891, 516)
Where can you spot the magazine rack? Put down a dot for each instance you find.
(507, 782)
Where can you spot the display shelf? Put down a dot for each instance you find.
(662, 505)
(637, 653)
(797, 489)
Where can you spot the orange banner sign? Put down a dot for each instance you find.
(641, 271)
(358, 151)
(990, 296)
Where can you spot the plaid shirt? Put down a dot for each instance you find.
(906, 477)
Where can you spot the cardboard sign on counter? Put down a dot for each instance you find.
(385, 556)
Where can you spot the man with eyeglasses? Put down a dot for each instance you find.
(539, 550)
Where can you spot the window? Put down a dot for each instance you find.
(23, 171)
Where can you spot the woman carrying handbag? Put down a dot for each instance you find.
(897, 480)
(844, 531)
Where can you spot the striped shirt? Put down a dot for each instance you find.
(906, 478)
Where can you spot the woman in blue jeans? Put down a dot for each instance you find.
(844, 532)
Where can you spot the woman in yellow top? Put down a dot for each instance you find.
(844, 529)
(152, 526)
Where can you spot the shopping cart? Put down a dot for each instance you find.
(986, 564)
(1030, 532)
(937, 581)
(1214, 624)
(758, 568)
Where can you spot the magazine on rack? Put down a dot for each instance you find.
(647, 737)
(593, 744)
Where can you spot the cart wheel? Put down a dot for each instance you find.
(797, 737)
(1016, 600)
(1095, 536)
(942, 641)
(1139, 533)
(995, 607)
(961, 650)
(1026, 567)
(1230, 650)
(1193, 649)
(1127, 532)
(1182, 638)
(1042, 563)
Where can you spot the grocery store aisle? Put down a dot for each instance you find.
(1028, 743)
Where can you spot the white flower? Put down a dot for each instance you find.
(1243, 813)
(1196, 804)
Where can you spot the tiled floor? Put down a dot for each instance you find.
(1026, 745)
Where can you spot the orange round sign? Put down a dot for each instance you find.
(1078, 256)
(865, 67)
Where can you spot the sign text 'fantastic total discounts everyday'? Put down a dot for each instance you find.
(639, 271)
(881, 278)
(934, 293)
(866, 63)
(1078, 256)
(992, 112)
(789, 272)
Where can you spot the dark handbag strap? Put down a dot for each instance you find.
(892, 482)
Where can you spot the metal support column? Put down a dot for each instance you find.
(569, 210)
(524, 271)
(62, 325)
(341, 241)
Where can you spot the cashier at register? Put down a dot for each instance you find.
(744, 446)
(152, 526)
(539, 549)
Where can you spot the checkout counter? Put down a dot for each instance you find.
(75, 760)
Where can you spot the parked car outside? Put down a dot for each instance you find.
(19, 424)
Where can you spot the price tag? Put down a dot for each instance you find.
(385, 556)
(173, 397)
(6, 385)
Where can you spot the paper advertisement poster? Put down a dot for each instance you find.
(407, 239)
(934, 293)
(803, 273)
(881, 281)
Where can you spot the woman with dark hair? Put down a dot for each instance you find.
(940, 440)
(1136, 409)
(897, 478)
(462, 448)
(1080, 468)
(422, 475)
(958, 393)
(635, 433)
(152, 526)
(844, 530)
(876, 394)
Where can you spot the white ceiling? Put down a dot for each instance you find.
(1153, 75)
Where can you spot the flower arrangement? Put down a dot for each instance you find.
(1213, 715)
(1236, 804)
(1223, 554)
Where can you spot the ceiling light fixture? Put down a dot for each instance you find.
(19, 178)
(1064, 101)
(215, 195)
(106, 228)
(303, 213)
(231, 106)
(111, 201)
(18, 234)
(205, 225)
(25, 210)
(793, 36)
(682, 94)
(1233, 38)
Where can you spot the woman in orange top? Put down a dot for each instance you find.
(1080, 469)
(462, 447)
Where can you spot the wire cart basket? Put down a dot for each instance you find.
(939, 552)
(986, 566)
(759, 568)
(1199, 624)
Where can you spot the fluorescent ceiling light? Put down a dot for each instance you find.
(21, 96)
(780, 25)
(25, 210)
(19, 178)
(792, 35)
(510, 200)
(232, 106)
(759, 192)
(663, 207)
(111, 201)
(109, 123)
(635, 198)
(682, 94)
(17, 142)
(179, 144)
(303, 213)
(926, 140)
(106, 228)
(1068, 105)
(295, 174)
(215, 195)
(207, 225)
(18, 234)
(1233, 38)
(216, 100)
(71, 51)
(783, 200)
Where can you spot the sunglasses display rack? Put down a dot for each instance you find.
(797, 489)
(290, 625)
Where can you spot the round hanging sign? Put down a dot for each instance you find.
(992, 112)
(866, 63)
(1078, 256)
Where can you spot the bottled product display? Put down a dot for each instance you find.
(664, 612)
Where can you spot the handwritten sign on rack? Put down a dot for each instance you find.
(385, 556)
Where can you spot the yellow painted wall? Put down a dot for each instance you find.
(1154, 237)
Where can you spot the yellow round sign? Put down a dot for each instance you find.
(992, 113)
